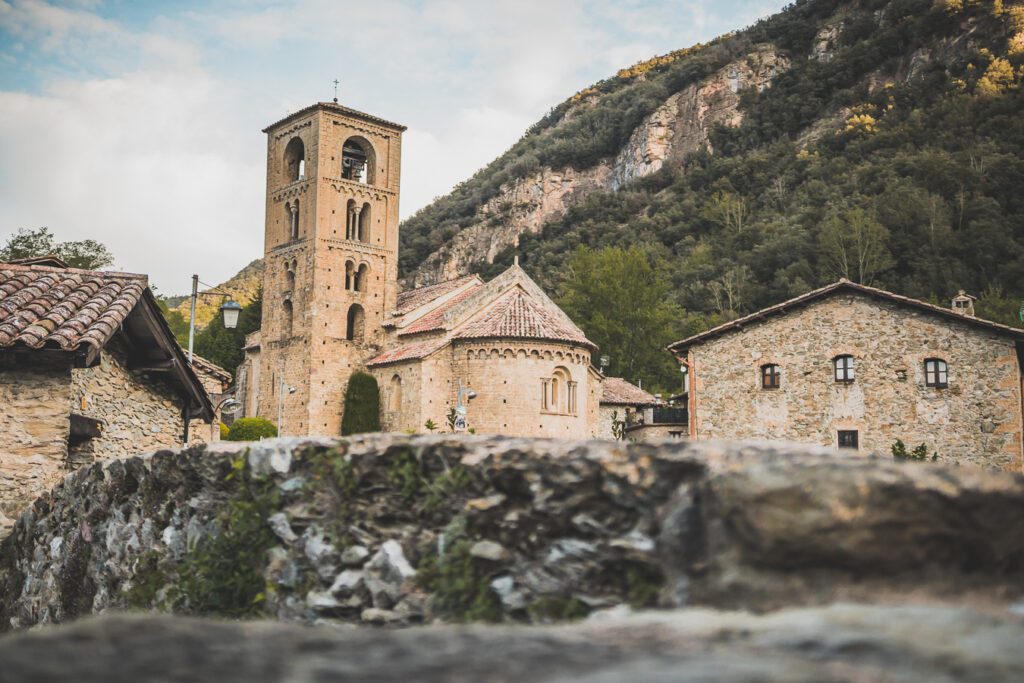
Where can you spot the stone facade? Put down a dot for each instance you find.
(975, 419)
(508, 378)
(331, 306)
(36, 399)
(321, 229)
(137, 413)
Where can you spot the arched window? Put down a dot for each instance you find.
(771, 376)
(350, 220)
(558, 393)
(294, 160)
(293, 219)
(364, 223)
(350, 274)
(358, 161)
(286, 323)
(843, 368)
(354, 328)
(289, 280)
(362, 275)
(936, 373)
(395, 398)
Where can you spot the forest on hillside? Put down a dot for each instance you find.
(845, 167)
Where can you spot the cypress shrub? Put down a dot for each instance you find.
(251, 429)
(362, 405)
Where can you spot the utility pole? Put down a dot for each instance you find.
(192, 316)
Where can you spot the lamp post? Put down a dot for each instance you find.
(465, 395)
(282, 388)
(229, 310)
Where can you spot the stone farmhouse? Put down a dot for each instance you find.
(89, 370)
(332, 305)
(858, 367)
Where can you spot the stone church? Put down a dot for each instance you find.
(331, 305)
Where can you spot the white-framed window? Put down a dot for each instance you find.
(843, 368)
(936, 373)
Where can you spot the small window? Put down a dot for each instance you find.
(843, 368)
(395, 401)
(771, 376)
(354, 327)
(936, 373)
(848, 439)
(288, 318)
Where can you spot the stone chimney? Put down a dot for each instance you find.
(963, 303)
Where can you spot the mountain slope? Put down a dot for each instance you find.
(243, 287)
(880, 140)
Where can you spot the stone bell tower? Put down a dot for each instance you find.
(331, 259)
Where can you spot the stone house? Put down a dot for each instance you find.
(332, 305)
(88, 370)
(626, 403)
(858, 367)
(217, 383)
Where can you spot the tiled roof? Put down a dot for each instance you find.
(63, 308)
(408, 352)
(200, 364)
(414, 298)
(516, 315)
(618, 392)
(335, 107)
(836, 287)
(435, 319)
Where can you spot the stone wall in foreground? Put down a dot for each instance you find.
(400, 530)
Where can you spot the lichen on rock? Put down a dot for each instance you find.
(396, 530)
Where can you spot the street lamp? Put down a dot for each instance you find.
(465, 395)
(229, 310)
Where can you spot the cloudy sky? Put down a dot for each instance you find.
(137, 123)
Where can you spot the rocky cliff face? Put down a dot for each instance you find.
(389, 529)
(679, 127)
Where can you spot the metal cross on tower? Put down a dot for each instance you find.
(335, 90)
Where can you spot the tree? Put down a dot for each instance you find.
(25, 243)
(362, 405)
(855, 245)
(175, 320)
(728, 211)
(622, 299)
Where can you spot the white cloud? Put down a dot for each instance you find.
(152, 166)
(146, 136)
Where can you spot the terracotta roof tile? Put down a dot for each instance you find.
(516, 315)
(412, 351)
(434, 320)
(42, 306)
(617, 391)
(414, 298)
(847, 286)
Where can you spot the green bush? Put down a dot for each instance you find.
(900, 452)
(362, 405)
(224, 431)
(251, 429)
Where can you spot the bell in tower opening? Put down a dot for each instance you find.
(353, 161)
